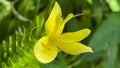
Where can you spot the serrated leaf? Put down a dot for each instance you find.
(11, 45)
(40, 23)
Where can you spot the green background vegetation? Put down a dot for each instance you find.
(22, 24)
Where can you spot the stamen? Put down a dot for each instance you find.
(45, 47)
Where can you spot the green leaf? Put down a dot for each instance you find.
(5, 8)
(105, 41)
(114, 5)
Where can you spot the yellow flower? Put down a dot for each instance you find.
(46, 48)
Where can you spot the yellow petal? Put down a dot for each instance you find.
(45, 52)
(54, 19)
(74, 48)
(62, 24)
(75, 36)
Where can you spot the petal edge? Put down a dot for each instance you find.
(45, 53)
(75, 36)
(74, 48)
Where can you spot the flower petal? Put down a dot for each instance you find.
(45, 52)
(74, 48)
(62, 24)
(54, 19)
(75, 36)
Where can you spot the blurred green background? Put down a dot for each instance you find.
(22, 24)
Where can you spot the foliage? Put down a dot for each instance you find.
(22, 24)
